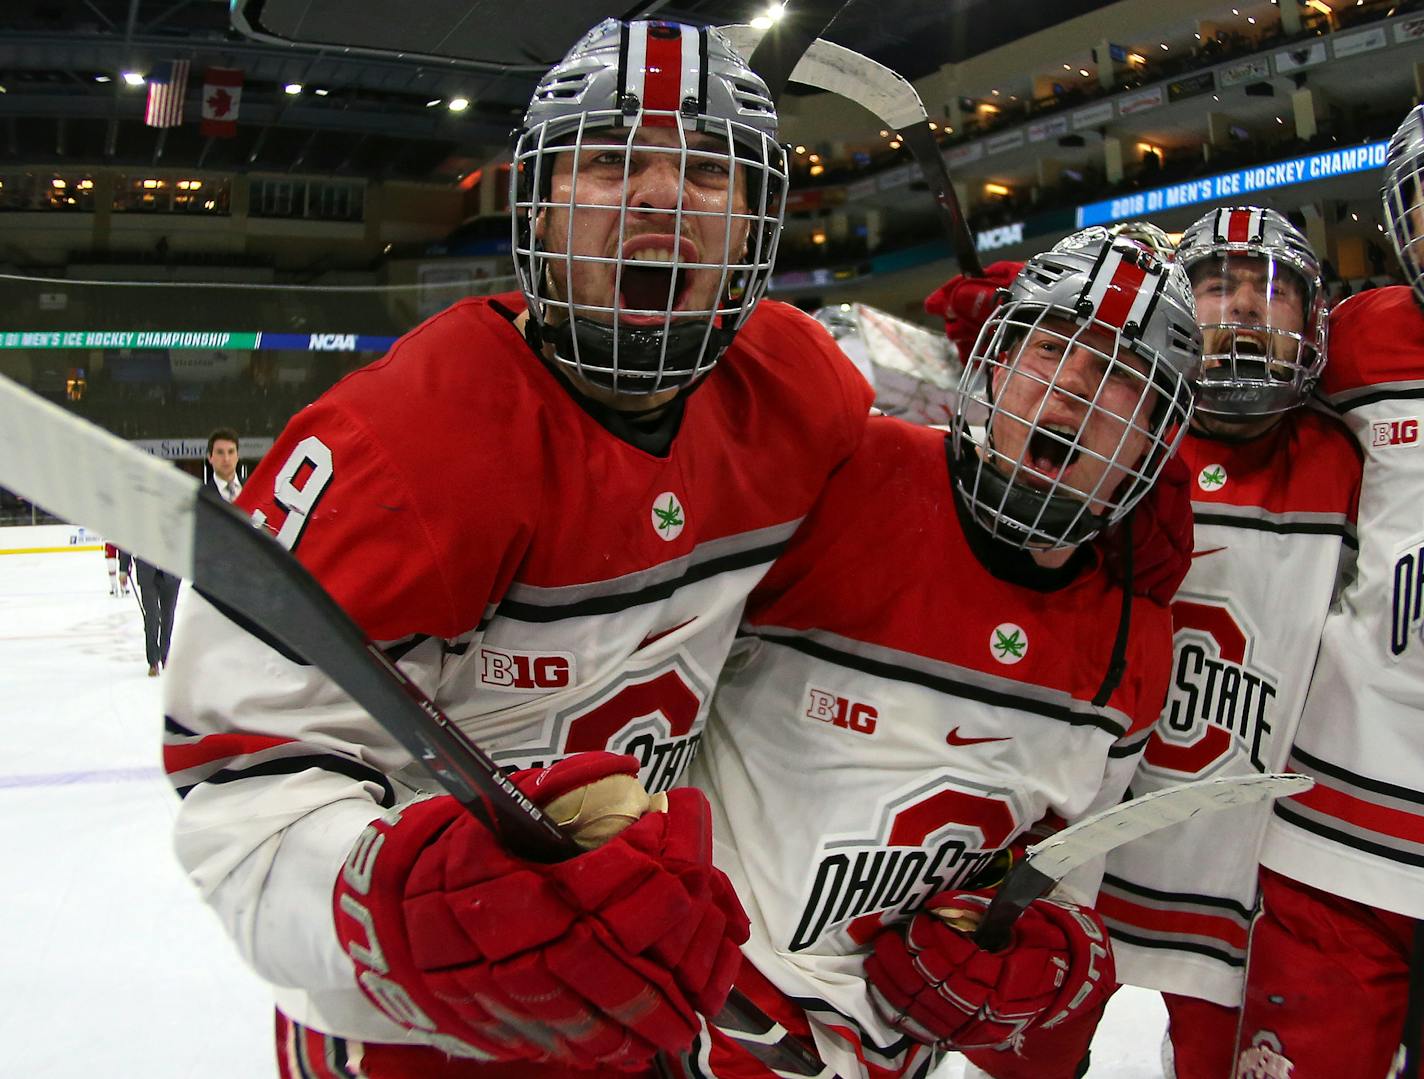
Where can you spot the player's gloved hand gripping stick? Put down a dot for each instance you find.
(969, 972)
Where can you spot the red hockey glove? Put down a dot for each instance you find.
(1162, 537)
(933, 982)
(598, 961)
(965, 303)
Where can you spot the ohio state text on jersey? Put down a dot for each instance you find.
(1274, 524)
(551, 586)
(894, 715)
(1359, 832)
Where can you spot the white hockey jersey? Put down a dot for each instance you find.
(1274, 531)
(553, 587)
(895, 715)
(1359, 832)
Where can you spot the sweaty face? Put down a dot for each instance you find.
(649, 227)
(223, 458)
(1072, 411)
(1248, 306)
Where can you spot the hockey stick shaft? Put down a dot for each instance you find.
(164, 516)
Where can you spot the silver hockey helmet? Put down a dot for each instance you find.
(1076, 391)
(1150, 236)
(647, 197)
(1261, 305)
(1403, 195)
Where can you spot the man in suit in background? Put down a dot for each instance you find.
(221, 470)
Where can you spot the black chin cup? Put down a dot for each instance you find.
(1008, 510)
(642, 359)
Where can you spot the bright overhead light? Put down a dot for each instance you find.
(102, 78)
(1066, 67)
(433, 102)
(1354, 217)
(761, 22)
(459, 104)
(994, 92)
(133, 78)
(1251, 19)
(1083, 71)
(321, 93)
(1164, 46)
(800, 149)
(292, 88)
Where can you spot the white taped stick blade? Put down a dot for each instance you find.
(143, 504)
(1086, 839)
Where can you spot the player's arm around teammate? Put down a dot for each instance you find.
(531, 509)
(942, 661)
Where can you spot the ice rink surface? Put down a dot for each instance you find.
(112, 965)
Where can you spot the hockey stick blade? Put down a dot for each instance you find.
(1051, 860)
(894, 101)
(776, 53)
(166, 517)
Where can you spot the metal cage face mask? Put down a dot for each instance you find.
(1261, 306)
(1075, 393)
(644, 232)
(1403, 195)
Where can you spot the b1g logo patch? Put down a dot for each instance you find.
(1212, 478)
(826, 707)
(517, 671)
(1394, 433)
(668, 516)
(1264, 1060)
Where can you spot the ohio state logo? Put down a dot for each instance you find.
(1218, 698)
(656, 715)
(933, 837)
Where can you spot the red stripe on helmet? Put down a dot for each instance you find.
(1238, 226)
(662, 73)
(1121, 293)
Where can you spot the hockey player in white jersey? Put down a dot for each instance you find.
(1275, 483)
(941, 662)
(1329, 971)
(525, 502)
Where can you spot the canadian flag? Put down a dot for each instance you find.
(222, 94)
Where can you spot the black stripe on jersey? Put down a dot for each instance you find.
(1375, 786)
(286, 766)
(172, 726)
(1345, 839)
(1231, 906)
(896, 673)
(1396, 394)
(1176, 946)
(1284, 528)
(532, 612)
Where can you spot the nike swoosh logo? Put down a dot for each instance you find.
(954, 738)
(1203, 554)
(651, 637)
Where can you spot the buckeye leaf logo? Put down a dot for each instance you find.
(668, 517)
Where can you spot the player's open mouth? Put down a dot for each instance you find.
(649, 279)
(1052, 449)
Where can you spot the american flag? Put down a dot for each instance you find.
(167, 87)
